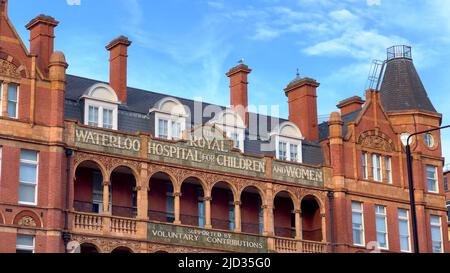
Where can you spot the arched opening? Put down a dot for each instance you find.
(222, 207)
(311, 219)
(252, 215)
(87, 248)
(284, 216)
(192, 203)
(122, 250)
(123, 193)
(161, 205)
(88, 188)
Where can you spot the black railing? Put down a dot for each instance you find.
(161, 216)
(87, 207)
(251, 228)
(284, 232)
(222, 224)
(122, 211)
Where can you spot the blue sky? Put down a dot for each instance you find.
(185, 47)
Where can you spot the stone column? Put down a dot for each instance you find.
(106, 209)
(208, 224)
(142, 202)
(237, 216)
(324, 228)
(177, 196)
(298, 224)
(4, 99)
(268, 220)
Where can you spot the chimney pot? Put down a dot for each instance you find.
(350, 105)
(42, 36)
(239, 89)
(302, 100)
(118, 49)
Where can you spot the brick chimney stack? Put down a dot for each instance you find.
(42, 36)
(4, 8)
(239, 89)
(118, 49)
(350, 105)
(302, 100)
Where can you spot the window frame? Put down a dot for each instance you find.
(170, 120)
(2, 83)
(435, 179)
(16, 116)
(386, 231)
(101, 105)
(24, 247)
(440, 232)
(388, 168)
(377, 169)
(289, 143)
(362, 230)
(365, 165)
(403, 218)
(230, 130)
(36, 185)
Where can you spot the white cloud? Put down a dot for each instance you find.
(374, 2)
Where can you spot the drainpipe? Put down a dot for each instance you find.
(66, 235)
(330, 196)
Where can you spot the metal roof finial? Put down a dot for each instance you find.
(241, 61)
(298, 73)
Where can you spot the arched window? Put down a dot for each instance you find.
(287, 142)
(101, 107)
(233, 126)
(170, 118)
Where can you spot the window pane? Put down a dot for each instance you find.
(107, 118)
(436, 233)
(93, 116)
(28, 155)
(163, 129)
(294, 152)
(12, 92)
(282, 150)
(176, 130)
(28, 173)
(27, 193)
(12, 109)
(24, 240)
(432, 178)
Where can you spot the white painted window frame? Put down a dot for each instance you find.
(37, 178)
(402, 218)
(101, 105)
(25, 247)
(386, 232)
(360, 211)
(289, 141)
(170, 119)
(440, 231)
(436, 178)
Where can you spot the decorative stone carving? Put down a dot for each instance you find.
(27, 221)
(9, 70)
(108, 245)
(376, 141)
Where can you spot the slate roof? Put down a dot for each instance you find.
(133, 117)
(402, 88)
(350, 117)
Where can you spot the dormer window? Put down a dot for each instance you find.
(170, 119)
(232, 125)
(287, 140)
(101, 107)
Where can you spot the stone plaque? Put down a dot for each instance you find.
(297, 174)
(196, 237)
(107, 142)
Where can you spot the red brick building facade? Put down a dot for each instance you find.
(102, 167)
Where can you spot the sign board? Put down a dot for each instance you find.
(196, 237)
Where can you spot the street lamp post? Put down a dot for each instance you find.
(411, 185)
